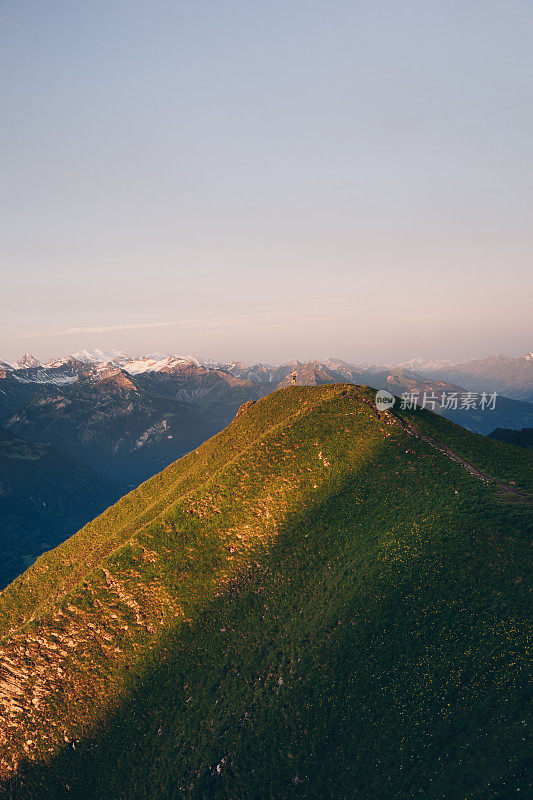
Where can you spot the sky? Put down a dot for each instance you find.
(267, 180)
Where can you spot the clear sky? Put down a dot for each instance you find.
(267, 180)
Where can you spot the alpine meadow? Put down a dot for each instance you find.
(322, 600)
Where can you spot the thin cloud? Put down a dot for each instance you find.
(210, 322)
(98, 329)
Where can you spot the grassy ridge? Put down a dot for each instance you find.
(504, 462)
(348, 618)
(58, 572)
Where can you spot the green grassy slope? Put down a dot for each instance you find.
(313, 604)
(496, 461)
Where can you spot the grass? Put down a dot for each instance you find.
(311, 605)
(504, 462)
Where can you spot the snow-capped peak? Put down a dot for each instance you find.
(98, 356)
(419, 364)
(56, 363)
(27, 361)
(136, 366)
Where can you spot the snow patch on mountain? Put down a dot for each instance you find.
(45, 378)
(147, 364)
(420, 364)
(56, 363)
(98, 356)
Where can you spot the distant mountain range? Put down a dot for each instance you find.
(512, 377)
(508, 412)
(109, 409)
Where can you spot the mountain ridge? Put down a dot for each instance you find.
(311, 520)
(31, 404)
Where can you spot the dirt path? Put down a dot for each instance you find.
(510, 491)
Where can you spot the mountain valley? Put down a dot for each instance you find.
(45, 497)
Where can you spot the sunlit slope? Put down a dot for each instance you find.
(313, 604)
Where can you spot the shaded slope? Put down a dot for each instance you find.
(45, 496)
(13, 394)
(313, 604)
(523, 438)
